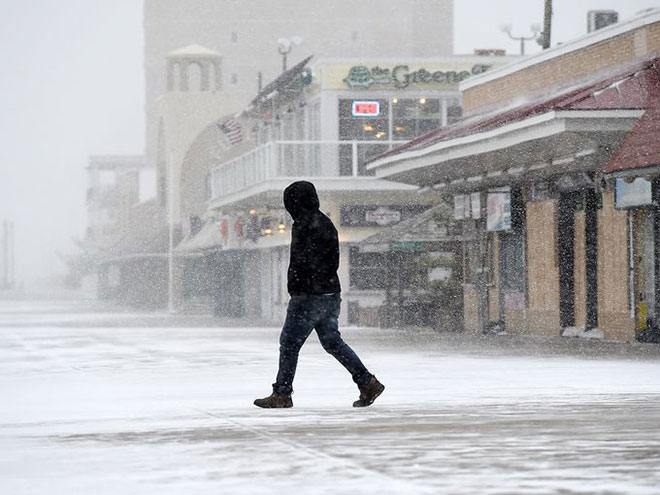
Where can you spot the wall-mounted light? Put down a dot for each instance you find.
(422, 100)
(268, 231)
(281, 228)
(368, 128)
(395, 100)
(253, 211)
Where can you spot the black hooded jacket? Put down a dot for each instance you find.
(314, 244)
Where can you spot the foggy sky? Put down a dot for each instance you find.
(72, 85)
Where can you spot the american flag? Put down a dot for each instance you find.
(232, 131)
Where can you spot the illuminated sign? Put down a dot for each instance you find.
(365, 108)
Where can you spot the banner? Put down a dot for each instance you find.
(499, 211)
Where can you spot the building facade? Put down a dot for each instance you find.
(320, 121)
(561, 247)
(245, 37)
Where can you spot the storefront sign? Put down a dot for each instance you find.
(365, 216)
(365, 108)
(383, 216)
(406, 245)
(461, 207)
(499, 211)
(631, 194)
(401, 76)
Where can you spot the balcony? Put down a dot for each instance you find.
(295, 159)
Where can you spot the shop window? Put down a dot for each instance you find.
(353, 128)
(414, 117)
(367, 270)
(366, 153)
(392, 270)
(454, 111)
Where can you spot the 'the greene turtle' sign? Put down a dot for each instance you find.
(361, 76)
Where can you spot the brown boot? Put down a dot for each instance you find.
(369, 393)
(274, 402)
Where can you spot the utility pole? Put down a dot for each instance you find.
(547, 24)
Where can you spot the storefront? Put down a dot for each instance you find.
(323, 122)
(557, 253)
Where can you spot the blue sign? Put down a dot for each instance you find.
(631, 194)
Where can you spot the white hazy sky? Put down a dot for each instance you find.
(72, 85)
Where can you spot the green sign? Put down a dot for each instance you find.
(361, 76)
(406, 245)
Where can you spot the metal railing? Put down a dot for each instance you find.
(295, 159)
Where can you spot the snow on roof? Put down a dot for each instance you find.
(193, 50)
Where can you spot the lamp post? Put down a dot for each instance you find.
(284, 46)
(536, 29)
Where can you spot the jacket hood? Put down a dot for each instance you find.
(301, 199)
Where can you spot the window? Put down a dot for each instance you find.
(392, 270)
(367, 270)
(374, 130)
(454, 111)
(363, 128)
(413, 117)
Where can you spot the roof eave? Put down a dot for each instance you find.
(538, 127)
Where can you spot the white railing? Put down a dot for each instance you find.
(295, 159)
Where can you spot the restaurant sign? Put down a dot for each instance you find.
(401, 76)
(363, 216)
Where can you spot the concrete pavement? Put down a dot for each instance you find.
(125, 408)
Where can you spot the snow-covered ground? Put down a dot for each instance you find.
(143, 408)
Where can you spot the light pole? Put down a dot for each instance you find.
(536, 29)
(284, 46)
(170, 251)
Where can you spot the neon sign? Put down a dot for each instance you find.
(365, 108)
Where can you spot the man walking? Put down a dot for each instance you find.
(315, 299)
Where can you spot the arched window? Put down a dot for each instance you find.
(194, 76)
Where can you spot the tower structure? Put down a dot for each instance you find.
(246, 34)
(194, 99)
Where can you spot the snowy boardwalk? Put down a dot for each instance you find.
(164, 410)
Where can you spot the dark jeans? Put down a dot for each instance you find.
(320, 313)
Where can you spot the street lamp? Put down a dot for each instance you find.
(536, 29)
(284, 46)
